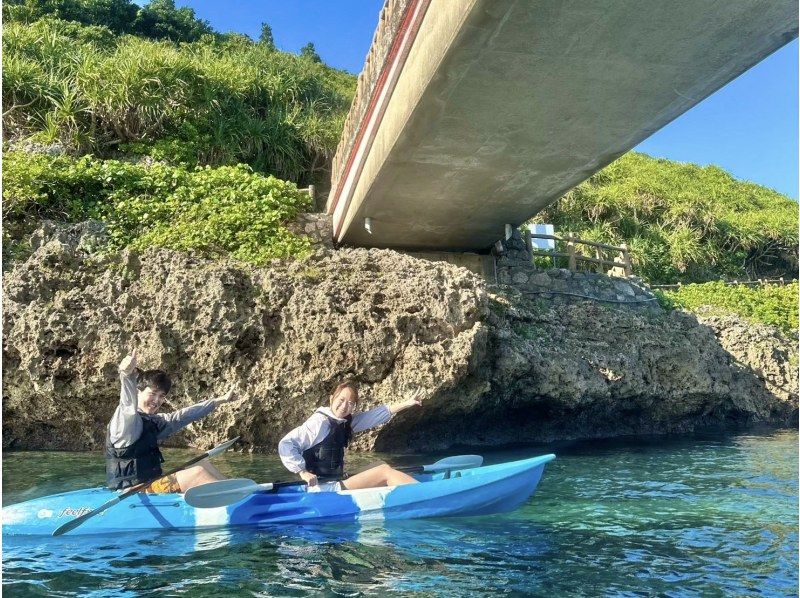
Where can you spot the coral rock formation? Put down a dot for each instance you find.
(497, 367)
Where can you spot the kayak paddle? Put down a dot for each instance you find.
(70, 525)
(456, 462)
(228, 492)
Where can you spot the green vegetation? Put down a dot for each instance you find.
(168, 132)
(180, 128)
(775, 305)
(222, 211)
(214, 102)
(310, 52)
(159, 19)
(266, 37)
(683, 222)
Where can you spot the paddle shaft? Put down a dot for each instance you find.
(289, 484)
(412, 469)
(71, 525)
(409, 469)
(228, 492)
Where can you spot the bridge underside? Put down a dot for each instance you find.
(504, 105)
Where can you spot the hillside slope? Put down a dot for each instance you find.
(683, 222)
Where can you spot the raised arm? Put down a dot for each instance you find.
(125, 426)
(370, 419)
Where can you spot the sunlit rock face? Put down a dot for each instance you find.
(496, 367)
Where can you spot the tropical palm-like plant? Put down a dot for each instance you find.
(683, 222)
(214, 101)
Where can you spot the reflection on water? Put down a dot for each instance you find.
(692, 516)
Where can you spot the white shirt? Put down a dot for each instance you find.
(317, 427)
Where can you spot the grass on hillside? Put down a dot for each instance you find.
(772, 304)
(217, 101)
(683, 222)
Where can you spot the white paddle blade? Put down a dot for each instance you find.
(222, 493)
(222, 447)
(457, 462)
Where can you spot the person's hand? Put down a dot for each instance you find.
(128, 364)
(229, 396)
(309, 477)
(415, 399)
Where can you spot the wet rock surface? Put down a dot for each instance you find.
(498, 367)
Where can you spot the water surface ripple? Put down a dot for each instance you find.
(684, 517)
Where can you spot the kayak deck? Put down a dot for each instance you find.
(460, 492)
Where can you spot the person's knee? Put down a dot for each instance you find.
(188, 477)
(184, 478)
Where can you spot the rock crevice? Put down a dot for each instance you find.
(498, 366)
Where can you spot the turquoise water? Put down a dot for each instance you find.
(694, 516)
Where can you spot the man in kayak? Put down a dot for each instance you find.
(315, 449)
(136, 428)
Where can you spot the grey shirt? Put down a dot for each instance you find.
(126, 426)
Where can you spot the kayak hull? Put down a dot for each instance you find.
(465, 492)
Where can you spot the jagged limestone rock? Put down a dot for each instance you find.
(498, 367)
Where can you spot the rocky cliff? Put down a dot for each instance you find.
(497, 366)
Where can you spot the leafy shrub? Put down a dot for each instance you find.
(221, 100)
(160, 19)
(775, 305)
(224, 211)
(683, 222)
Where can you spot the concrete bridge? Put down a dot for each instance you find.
(474, 114)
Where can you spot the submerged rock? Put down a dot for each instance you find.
(497, 367)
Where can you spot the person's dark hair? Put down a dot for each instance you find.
(155, 379)
(346, 384)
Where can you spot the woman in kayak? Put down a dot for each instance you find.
(315, 449)
(136, 429)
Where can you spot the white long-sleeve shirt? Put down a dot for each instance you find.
(317, 427)
(126, 426)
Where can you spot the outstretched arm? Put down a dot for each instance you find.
(177, 420)
(229, 397)
(383, 413)
(415, 400)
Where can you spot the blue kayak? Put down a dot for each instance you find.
(460, 492)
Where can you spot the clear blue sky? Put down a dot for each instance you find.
(749, 127)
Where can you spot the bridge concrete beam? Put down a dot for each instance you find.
(493, 109)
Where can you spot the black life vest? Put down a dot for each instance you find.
(135, 463)
(326, 458)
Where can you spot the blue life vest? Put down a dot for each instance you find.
(326, 458)
(137, 462)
